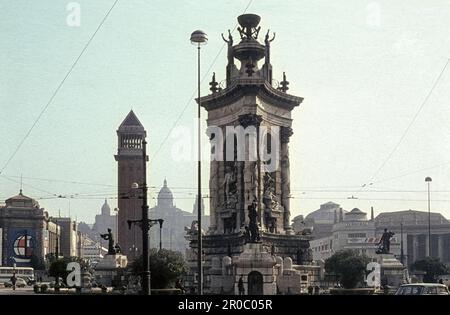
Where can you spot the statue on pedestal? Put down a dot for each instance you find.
(384, 245)
(253, 224)
(230, 185)
(230, 47)
(110, 238)
(270, 202)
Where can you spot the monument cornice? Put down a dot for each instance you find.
(250, 86)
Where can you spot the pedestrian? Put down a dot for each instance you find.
(179, 285)
(241, 286)
(316, 290)
(13, 281)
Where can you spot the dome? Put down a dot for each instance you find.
(355, 210)
(355, 215)
(21, 201)
(165, 196)
(324, 215)
(106, 210)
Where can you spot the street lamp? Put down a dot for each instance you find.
(160, 221)
(199, 38)
(428, 181)
(145, 225)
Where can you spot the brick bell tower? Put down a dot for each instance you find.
(130, 135)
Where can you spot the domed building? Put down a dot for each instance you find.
(103, 222)
(165, 196)
(27, 233)
(321, 220)
(175, 220)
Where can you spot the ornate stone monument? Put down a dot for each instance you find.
(112, 265)
(249, 125)
(393, 273)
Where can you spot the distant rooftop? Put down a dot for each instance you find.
(410, 217)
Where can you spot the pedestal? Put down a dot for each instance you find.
(392, 270)
(108, 268)
(256, 266)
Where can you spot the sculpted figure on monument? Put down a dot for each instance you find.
(110, 238)
(384, 245)
(251, 177)
(267, 41)
(230, 47)
(253, 223)
(269, 199)
(230, 186)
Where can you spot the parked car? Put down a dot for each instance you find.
(422, 289)
(30, 281)
(20, 283)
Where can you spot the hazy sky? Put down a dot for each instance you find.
(363, 67)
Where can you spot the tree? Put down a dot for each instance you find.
(58, 268)
(432, 267)
(37, 263)
(166, 267)
(349, 266)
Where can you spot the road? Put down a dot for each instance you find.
(18, 291)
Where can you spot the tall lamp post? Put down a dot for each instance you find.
(428, 181)
(199, 38)
(160, 221)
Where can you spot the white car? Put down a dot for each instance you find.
(422, 289)
(20, 283)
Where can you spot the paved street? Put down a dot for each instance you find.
(18, 291)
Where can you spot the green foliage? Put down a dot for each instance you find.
(349, 266)
(432, 267)
(166, 267)
(37, 263)
(58, 268)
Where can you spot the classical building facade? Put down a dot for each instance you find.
(352, 231)
(103, 222)
(413, 225)
(93, 251)
(175, 222)
(249, 174)
(320, 221)
(70, 238)
(130, 165)
(409, 244)
(27, 233)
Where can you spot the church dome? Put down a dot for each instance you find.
(106, 210)
(324, 215)
(355, 215)
(165, 196)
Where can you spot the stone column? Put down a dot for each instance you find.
(285, 134)
(240, 209)
(213, 190)
(245, 121)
